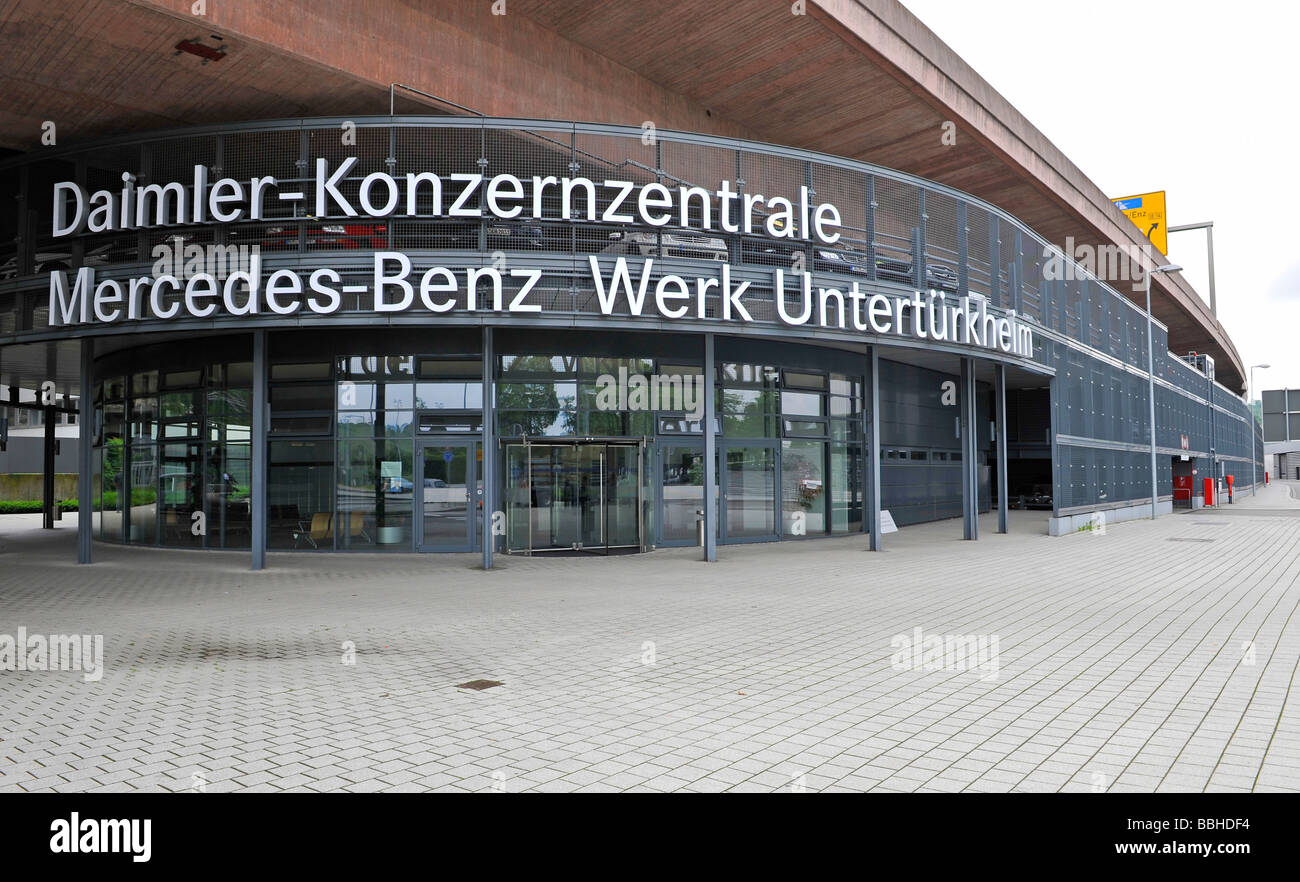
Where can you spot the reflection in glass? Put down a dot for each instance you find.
(445, 496)
(375, 495)
(451, 396)
(803, 487)
(227, 495)
(300, 500)
(180, 494)
(848, 481)
(749, 413)
(751, 492)
(682, 492)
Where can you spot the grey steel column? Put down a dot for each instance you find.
(1151, 394)
(1000, 394)
(1214, 454)
(50, 413)
(873, 449)
(259, 452)
(710, 455)
(488, 475)
(963, 250)
(1053, 391)
(85, 453)
(970, 475)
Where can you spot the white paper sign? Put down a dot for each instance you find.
(887, 524)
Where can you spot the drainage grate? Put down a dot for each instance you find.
(1189, 539)
(479, 685)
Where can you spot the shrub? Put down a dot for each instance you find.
(32, 506)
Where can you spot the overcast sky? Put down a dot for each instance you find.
(1195, 98)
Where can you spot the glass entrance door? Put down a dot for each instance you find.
(447, 494)
(749, 492)
(573, 497)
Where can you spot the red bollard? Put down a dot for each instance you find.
(1209, 491)
(1266, 479)
(1229, 489)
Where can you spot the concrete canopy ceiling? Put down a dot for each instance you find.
(857, 78)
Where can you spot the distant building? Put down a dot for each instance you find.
(1281, 411)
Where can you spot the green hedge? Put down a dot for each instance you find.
(33, 506)
(139, 496)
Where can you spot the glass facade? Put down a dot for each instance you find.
(173, 454)
(380, 449)
(351, 410)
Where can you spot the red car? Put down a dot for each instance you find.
(327, 237)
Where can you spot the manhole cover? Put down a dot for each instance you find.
(1189, 539)
(479, 685)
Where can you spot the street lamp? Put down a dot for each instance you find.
(1151, 376)
(1254, 391)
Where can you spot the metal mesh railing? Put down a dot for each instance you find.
(898, 233)
(896, 230)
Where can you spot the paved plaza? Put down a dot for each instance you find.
(1151, 656)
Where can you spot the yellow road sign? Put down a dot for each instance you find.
(1147, 211)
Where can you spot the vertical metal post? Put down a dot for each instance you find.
(873, 448)
(1046, 302)
(1083, 313)
(85, 453)
(489, 449)
(970, 475)
(1214, 456)
(1106, 340)
(1053, 393)
(257, 498)
(734, 238)
(995, 262)
(25, 240)
(918, 242)
(1017, 278)
(710, 454)
(870, 232)
(47, 483)
(1151, 393)
(1000, 395)
(963, 250)
(812, 198)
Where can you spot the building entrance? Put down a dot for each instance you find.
(448, 492)
(574, 496)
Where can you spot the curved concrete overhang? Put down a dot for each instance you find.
(857, 78)
(888, 34)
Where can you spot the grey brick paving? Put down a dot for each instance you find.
(1123, 665)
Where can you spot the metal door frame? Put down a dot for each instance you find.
(473, 490)
(528, 444)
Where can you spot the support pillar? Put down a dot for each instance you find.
(50, 414)
(86, 454)
(1000, 394)
(873, 449)
(487, 475)
(710, 454)
(259, 451)
(969, 472)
